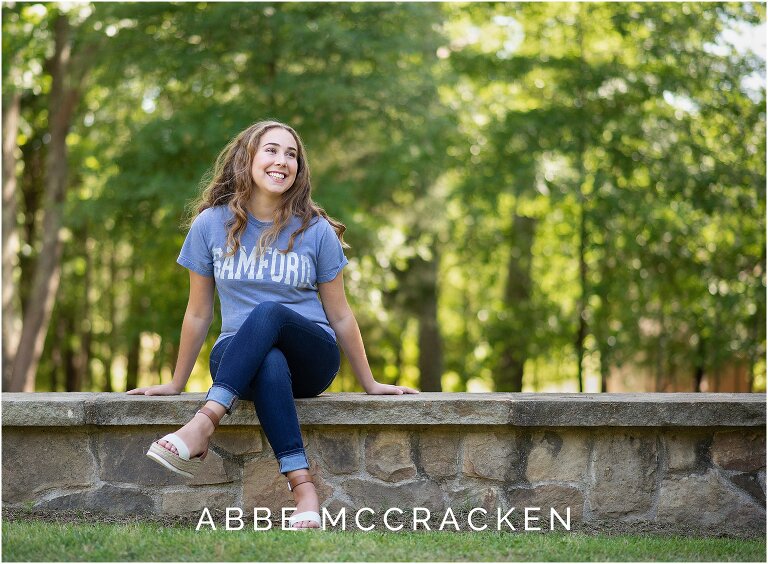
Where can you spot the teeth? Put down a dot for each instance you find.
(276, 175)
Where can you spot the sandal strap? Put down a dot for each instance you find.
(180, 445)
(211, 415)
(298, 480)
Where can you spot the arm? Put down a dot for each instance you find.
(197, 320)
(343, 322)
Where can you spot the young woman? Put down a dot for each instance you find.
(269, 251)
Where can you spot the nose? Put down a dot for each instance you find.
(280, 160)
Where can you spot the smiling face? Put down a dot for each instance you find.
(275, 163)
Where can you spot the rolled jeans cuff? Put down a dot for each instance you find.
(222, 395)
(291, 462)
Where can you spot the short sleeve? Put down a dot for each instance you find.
(330, 254)
(195, 253)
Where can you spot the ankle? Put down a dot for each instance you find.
(305, 493)
(303, 489)
(204, 424)
(300, 479)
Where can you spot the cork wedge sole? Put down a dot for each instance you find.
(179, 463)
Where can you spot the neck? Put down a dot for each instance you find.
(263, 208)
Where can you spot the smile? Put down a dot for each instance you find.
(277, 175)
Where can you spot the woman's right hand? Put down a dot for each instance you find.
(159, 390)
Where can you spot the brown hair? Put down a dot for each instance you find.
(230, 182)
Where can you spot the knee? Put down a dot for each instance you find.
(264, 315)
(266, 310)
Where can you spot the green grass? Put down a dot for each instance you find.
(43, 541)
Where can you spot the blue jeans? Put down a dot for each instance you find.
(275, 356)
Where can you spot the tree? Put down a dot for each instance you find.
(573, 116)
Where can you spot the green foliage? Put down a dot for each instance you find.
(623, 113)
(431, 129)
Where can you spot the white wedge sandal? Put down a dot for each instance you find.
(181, 463)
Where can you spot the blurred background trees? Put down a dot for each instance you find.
(539, 197)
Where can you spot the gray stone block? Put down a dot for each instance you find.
(750, 483)
(377, 496)
(105, 499)
(388, 456)
(686, 451)
(339, 449)
(747, 519)
(238, 441)
(215, 470)
(193, 500)
(122, 409)
(37, 459)
(439, 453)
(469, 497)
(56, 409)
(547, 497)
(625, 467)
(637, 410)
(739, 450)
(335, 504)
(558, 456)
(264, 486)
(426, 408)
(491, 455)
(705, 500)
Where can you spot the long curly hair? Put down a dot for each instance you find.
(230, 182)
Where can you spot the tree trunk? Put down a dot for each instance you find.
(581, 308)
(71, 372)
(135, 311)
(756, 324)
(83, 320)
(132, 370)
(602, 318)
(467, 346)
(108, 301)
(399, 357)
(11, 327)
(108, 375)
(698, 377)
(699, 365)
(660, 352)
(31, 190)
(45, 284)
(430, 341)
(57, 354)
(581, 334)
(508, 376)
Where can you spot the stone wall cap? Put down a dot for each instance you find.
(426, 408)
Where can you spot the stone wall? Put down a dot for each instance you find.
(688, 462)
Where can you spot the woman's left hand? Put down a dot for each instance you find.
(389, 389)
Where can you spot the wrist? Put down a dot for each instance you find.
(177, 386)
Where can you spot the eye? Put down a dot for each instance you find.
(271, 150)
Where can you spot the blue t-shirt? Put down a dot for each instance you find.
(244, 280)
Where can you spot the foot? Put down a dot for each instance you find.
(195, 434)
(305, 496)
